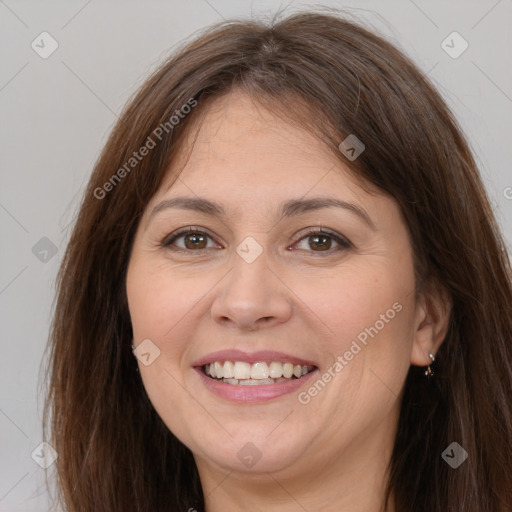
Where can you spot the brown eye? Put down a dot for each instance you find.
(195, 241)
(321, 240)
(192, 240)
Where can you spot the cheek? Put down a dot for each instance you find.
(359, 306)
(167, 306)
(367, 347)
(367, 316)
(159, 305)
(158, 300)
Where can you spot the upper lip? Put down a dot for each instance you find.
(251, 357)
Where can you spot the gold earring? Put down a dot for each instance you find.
(428, 371)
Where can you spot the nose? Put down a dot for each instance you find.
(252, 296)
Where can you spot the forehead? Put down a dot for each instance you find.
(253, 166)
(236, 142)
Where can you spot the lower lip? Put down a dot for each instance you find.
(253, 394)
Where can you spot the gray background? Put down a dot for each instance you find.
(56, 113)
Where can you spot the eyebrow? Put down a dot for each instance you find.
(290, 208)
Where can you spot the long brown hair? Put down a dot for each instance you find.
(114, 451)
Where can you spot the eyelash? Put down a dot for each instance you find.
(342, 241)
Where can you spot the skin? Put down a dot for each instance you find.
(329, 454)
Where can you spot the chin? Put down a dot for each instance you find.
(253, 451)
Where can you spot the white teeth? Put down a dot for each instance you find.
(242, 370)
(287, 370)
(252, 382)
(228, 370)
(260, 373)
(219, 370)
(275, 370)
(248, 382)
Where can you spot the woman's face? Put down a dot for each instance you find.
(257, 292)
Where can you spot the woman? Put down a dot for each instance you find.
(288, 231)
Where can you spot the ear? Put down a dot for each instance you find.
(431, 322)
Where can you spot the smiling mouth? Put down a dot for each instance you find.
(241, 373)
